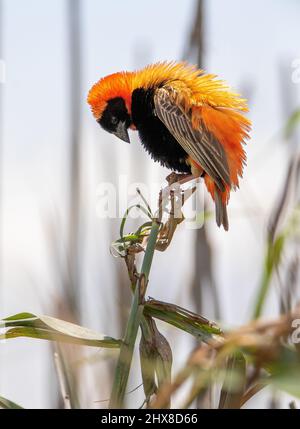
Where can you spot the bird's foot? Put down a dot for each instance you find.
(179, 178)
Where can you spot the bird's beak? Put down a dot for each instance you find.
(122, 132)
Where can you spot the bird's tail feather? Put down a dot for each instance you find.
(221, 211)
(221, 200)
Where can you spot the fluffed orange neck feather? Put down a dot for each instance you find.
(196, 87)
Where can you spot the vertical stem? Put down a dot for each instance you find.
(264, 287)
(74, 11)
(135, 317)
(63, 382)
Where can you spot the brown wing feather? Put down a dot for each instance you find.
(200, 144)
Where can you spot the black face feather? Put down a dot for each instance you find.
(115, 118)
(154, 135)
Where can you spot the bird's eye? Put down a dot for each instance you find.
(114, 120)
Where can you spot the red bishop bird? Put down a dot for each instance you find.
(189, 121)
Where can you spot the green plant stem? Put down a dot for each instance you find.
(135, 317)
(272, 260)
(262, 294)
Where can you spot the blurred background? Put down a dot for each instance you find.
(55, 249)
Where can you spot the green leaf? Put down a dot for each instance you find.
(289, 383)
(50, 328)
(20, 316)
(145, 202)
(6, 404)
(272, 260)
(182, 319)
(285, 372)
(123, 222)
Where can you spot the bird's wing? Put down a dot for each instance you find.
(200, 144)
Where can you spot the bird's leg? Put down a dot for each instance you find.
(177, 198)
(179, 178)
(175, 181)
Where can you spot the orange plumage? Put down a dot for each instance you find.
(197, 113)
